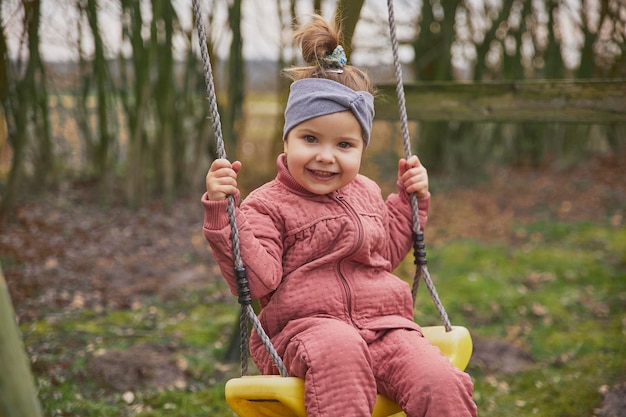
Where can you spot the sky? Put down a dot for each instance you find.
(260, 26)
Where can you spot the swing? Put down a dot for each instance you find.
(282, 395)
(278, 396)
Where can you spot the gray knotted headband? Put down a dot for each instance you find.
(313, 97)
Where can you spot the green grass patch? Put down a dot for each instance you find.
(561, 294)
(198, 326)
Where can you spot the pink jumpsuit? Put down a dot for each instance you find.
(321, 266)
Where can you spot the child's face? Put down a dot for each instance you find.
(324, 153)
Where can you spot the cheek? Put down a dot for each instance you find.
(352, 167)
(356, 162)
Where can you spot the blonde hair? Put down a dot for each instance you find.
(317, 40)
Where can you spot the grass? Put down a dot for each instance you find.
(197, 325)
(560, 292)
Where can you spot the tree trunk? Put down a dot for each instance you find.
(18, 395)
(4, 63)
(236, 81)
(481, 50)
(433, 63)
(553, 67)
(81, 110)
(136, 107)
(101, 156)
(347, 16)
(44, 174)
(204, 147)
(283, 82)
(23, 107)
(165, 140)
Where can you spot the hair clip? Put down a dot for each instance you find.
(336, 59)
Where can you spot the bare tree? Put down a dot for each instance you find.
(167, 140)
(136, 105)
(27, 110)
(236, 80)
(347, 16)
(103, 90)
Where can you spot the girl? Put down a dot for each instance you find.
(319, 245)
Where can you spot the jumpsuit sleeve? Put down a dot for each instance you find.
(400, 224)
(260, 246)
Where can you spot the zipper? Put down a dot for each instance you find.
(340, 198)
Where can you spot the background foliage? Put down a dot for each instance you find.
(133, 116)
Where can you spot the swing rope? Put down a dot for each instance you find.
(247, 312)
(421, 272)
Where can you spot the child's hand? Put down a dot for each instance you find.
(221, 180)
(413, 176)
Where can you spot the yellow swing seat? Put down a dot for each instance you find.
(277, 396)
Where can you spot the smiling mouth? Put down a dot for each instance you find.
(322, 174)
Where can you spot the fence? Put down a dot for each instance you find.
(559, 101)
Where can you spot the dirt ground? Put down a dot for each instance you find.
(64, 251)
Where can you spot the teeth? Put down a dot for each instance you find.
(323, 173)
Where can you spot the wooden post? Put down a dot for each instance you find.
(18, 396)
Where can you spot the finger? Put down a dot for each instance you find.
(219, 188)
(405, 165)
(224, 173)
(223, 168)
(413, 174)
(236, 166)
(414, 162)
(219, 164)
(420, 188)
(402, 167)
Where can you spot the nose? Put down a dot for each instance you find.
(325, 155)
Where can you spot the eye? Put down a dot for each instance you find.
(344, 145)
(310, 139)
